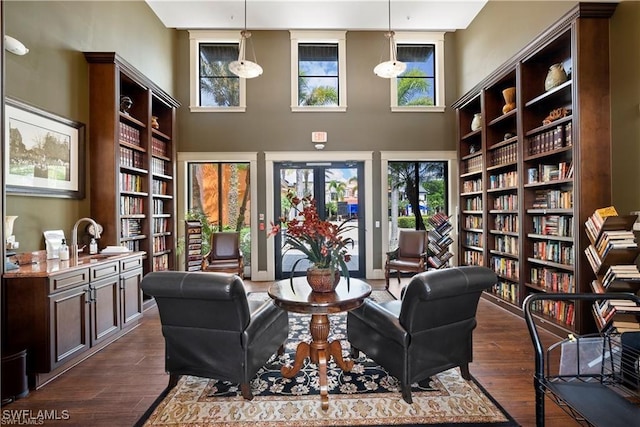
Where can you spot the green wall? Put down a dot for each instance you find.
(54, 77)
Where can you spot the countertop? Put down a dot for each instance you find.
(47, 267)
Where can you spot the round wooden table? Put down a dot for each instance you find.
(301, 299)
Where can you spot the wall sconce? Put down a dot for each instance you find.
(15, 46)
(319, 139)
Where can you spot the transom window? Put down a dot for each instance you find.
(318, 70)
(213, 86)
(421, 86)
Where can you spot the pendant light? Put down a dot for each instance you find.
(392, 68)
(242, 67)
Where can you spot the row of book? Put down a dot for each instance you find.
(131, 228)
(508, 202)
(440, 261)
(473, 164)
(624, 273)
(504, 180)
(623, 315)
(131, 182)
(595, 222)
(505, 267)
(130, 134)
(508, 223)
(160, 187)
(504, 155)
(506, 244)
(472, 185)
(159, 147)
(473, 203)
(559, 252)
(560, 311)
(473, 258)
(553, 199)
(508, 291)
(131, 158)
(158, 206)
(549, 173)
(132, 245)
(554, 139)
(473, 222)
(614, 239)
(161, 262)
(473, 239)
(552, 279)
(159, 244)
(553, 225)
(158, 166)
(131, 205)
(160, 225)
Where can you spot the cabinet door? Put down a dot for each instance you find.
(69, 323)
(131, 295)
(105, 308)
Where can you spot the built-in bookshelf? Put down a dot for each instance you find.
(536, 168)
(193, 245)
(612, 255)
(439, 235)
(132, 160)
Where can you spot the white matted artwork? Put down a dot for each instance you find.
(44, 153)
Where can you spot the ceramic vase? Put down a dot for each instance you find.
(323, 279)
(8, 225)
(476, 123)
(154, 122)
(555, 77)
(509, 95)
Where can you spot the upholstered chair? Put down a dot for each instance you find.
(211, 329)
(409, 257)
(428, 331)
(225, 255)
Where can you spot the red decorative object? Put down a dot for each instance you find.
(323, 279)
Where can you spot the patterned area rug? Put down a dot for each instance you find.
(366, 396)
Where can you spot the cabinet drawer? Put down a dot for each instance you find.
(130, 264)
(68, 279)
(104, 270)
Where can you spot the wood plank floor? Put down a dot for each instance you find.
(115, 386)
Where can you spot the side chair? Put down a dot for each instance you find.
(409, 257)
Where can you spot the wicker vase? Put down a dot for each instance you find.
(323, 279)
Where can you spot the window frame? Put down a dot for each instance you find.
(436, 39)
(333, 37)
(197, 37)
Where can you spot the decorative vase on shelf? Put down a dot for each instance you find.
(509, 95)
(555, 77)
(323, 279)
(154, 122)
(476, 123)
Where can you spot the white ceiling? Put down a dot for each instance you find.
(406, 15)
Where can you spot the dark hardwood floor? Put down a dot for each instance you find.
(115, 386)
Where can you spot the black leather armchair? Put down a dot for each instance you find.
(210, 328)
(428, 331)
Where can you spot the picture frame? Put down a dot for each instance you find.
(44, 152)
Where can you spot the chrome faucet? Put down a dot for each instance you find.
(74, 237)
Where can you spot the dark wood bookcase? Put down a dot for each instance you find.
(532, 174)
(132, 160)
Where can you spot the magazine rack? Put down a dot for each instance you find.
(594, 378)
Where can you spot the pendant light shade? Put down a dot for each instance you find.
(392, 68)
(243, 67)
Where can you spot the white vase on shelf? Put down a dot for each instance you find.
(476, 123)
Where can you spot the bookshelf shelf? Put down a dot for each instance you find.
(525, 166)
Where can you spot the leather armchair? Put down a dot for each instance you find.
(210, 328)
(225, 255)
(428, 331)
(410, 256)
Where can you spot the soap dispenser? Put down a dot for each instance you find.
(93, 246)
(63, 251)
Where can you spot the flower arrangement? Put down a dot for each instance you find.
(321, 241)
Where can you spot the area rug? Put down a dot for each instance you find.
(366, 396)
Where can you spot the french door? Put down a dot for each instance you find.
(334, 186)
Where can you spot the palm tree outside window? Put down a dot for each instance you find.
(218, 86)
(318, 75)
(416, 86)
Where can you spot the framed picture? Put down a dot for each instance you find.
(44, 153)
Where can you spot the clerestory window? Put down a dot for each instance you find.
(318, 71)
(421, 86)
(213, 86)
